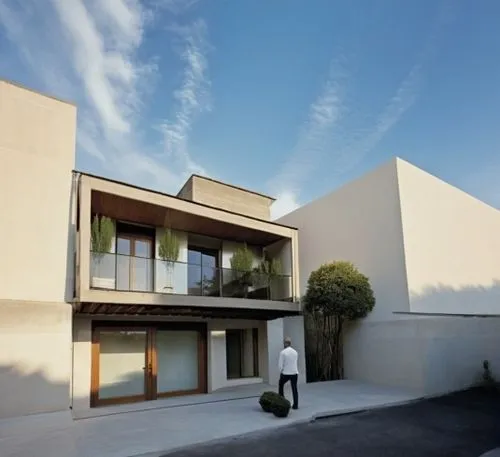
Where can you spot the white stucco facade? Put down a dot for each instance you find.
(431, 254)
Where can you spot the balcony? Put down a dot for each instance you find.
(128, 273)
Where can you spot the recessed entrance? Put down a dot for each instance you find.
(138, 362)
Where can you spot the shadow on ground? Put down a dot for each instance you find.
(466, 424)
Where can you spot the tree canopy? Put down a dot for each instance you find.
(339, 289)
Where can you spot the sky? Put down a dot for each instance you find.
(291, 98)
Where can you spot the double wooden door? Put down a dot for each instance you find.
(139, 362)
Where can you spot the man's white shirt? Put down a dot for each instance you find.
(288, 361)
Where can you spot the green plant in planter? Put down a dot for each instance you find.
(102, 231)
(168, 250)
(242, 267)
(271, 402)
(268, 271)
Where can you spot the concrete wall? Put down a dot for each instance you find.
(428, 354)
(220, 195)
(37, 154)
(35, 357)
(452, 246)
(361, 223)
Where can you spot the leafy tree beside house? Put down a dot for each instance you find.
(336, 294)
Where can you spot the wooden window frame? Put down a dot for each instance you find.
(151, 363)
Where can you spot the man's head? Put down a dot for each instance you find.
(287, 342)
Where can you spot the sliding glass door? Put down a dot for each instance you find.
(134, 263)
(145, 362)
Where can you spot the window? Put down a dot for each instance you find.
(242, 353)
(203, 271)
(134, 257)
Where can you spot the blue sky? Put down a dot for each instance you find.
(286, 97)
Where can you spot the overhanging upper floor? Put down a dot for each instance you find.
(132, 271)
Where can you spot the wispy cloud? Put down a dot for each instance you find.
(333, 135)
(323, 116)
(355, 145)
(192, 98)
(89, 52)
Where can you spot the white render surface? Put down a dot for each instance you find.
(169, 428)
(431, 254)
(451, 246)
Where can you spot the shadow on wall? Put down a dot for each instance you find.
(450, 300)
(30, 393)
(70, 285)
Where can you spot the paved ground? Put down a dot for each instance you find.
(462, 425)
(165, 429)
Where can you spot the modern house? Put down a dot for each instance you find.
(432, 254)
(160, 307)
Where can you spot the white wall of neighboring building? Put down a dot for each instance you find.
(361, 223)
(452, 246)
(37, 154)
(410, 234)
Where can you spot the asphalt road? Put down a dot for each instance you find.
(461, 425)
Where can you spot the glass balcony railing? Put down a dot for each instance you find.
(140, 274)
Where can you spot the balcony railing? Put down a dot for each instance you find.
(139, 274)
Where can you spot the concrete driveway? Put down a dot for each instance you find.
(461, 425)
(161, 430)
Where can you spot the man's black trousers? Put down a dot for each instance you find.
(284, 378)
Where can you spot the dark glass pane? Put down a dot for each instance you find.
(194, 257)
(210, 281)
(143, 248)
(124, 246)
(233, 353)
(209, 260)
(194, 280)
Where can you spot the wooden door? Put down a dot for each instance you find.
(122, 365)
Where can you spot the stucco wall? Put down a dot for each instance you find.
(227, 197)
(35, 357)
(452, 246)
(361, 223)
(37, 153)
(430, 355)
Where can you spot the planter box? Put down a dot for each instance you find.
(102, 283)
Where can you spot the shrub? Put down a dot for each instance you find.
(280, 407)
(271, 402)
(266, 400)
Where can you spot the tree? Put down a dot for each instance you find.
(336, 292)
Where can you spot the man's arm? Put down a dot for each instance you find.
(281, 362)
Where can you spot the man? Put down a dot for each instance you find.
(289, 371)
